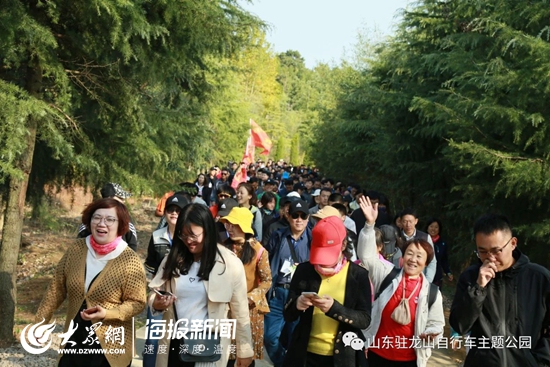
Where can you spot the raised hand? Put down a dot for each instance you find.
(370, 210)
(487, 272)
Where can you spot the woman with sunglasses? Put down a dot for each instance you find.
(258, 274)
(224, 192)
(104, 283)
(246, 197)
(204, 279)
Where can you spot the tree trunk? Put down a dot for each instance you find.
(2, 211)
(13, 221)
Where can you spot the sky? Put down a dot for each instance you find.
(324, 30)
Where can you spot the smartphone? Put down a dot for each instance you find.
(162, 293)
(310, 294)
(89, 311)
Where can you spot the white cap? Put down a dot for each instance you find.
(316, 192)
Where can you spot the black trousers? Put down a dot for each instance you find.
(174, 357)
(316, 360)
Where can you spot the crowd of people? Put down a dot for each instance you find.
(315, 272)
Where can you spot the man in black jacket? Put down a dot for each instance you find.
(503, 301)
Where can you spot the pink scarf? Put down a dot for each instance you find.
(435, 238)
(106, 248)
(328, 272)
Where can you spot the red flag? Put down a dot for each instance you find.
(248, 156)
(260, 138)
(240, 176)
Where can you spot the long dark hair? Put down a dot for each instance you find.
(436, 220)
(180, 259)
(206, 179)
(267, 197)
(248, 253)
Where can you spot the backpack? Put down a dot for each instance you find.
(432, 293)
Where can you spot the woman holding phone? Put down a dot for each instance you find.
(204, 279)
(331, 297)
(104, 283)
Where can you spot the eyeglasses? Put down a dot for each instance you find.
(493, 251)
(301, 215)
(192, 238)
(109, 221)
(224, 196)
(173, 209)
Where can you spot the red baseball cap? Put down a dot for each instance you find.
(327, 238)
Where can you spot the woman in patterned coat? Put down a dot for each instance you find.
(104, 283)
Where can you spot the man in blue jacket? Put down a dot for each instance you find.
(287, 248)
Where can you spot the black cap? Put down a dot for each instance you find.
(225, 206)
(299, 206)
(270, 181)
(177, 200)
(298, 186)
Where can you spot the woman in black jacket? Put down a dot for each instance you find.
(332, 298)
(204, 186)
(434, 229)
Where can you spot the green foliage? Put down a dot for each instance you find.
(449, 116)
(294, 150)
(127, 90)
(280, 152)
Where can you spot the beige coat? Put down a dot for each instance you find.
(225, 288)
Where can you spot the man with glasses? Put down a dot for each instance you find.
(409, 220)
(287, 248)
(224, 179)
(504, 301)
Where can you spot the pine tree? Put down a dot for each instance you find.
(102, 91)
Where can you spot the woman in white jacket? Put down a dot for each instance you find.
(205, 280)
(403, 326)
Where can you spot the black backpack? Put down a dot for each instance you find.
(432, 293)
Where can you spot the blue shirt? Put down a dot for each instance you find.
(301, 247)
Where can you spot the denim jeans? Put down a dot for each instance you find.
(151, 345)
(274, 323)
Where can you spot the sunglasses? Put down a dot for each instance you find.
(301, 215)
(173, 209)
(224, 196)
